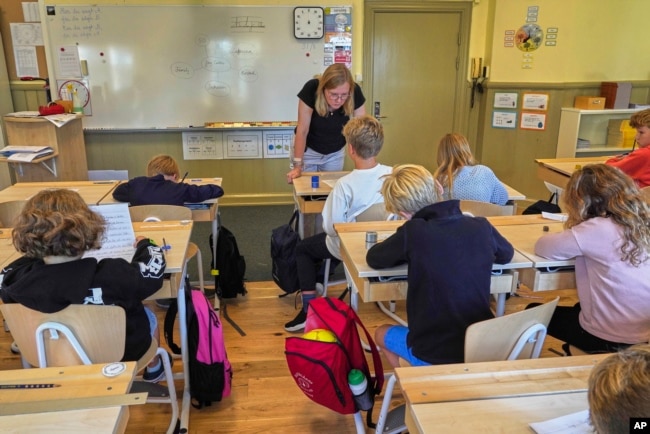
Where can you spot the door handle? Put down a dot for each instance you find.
(377, 111)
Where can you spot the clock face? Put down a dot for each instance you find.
(529, 37)
(82, 91)
(308, 22)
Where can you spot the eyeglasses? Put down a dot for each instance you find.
(338, 96)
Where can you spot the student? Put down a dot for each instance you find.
(352, 194)
(53, 231)
(162, 186)
(619, 389)
(462, 178)
(325, 105)
(637, 163)
(449, 257)
(608, 234)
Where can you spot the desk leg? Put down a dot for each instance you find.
(182, 318)
(501, 303)
(301, 225)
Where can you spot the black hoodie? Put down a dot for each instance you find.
(51, 288)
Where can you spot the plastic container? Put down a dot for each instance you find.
(76, 103)
(359, 386)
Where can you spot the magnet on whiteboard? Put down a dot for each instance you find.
(84, 67)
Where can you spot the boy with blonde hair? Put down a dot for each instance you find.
(449, 257)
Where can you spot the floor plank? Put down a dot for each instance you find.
(264, 397)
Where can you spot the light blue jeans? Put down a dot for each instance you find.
(315, 162)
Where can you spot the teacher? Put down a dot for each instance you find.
(325, 105)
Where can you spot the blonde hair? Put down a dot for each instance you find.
(163, 165)
(366, 136)
(409, 188)
(640, 119)
(619, 388)
(599, 190)
(334, 76)
(453, 154)
(57, 223)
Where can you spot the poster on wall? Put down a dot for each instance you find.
(501, 119)
(338, 36)
(505, 100)
(533, 121)
(535, 101)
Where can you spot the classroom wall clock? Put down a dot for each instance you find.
(308, 22)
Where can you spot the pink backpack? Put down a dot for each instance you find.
(321, 369)
(210, 370)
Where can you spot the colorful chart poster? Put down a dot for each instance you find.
(338, 36)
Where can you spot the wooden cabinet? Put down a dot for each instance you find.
(591, 125)
(67, 163)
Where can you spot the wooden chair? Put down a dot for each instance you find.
(476, 208)
(143, 213)
(82, 334)
(9, 211)
(509, 337)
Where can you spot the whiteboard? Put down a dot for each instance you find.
(163, 66)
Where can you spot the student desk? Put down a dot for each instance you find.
(91, 191)
(310, 200)
(367, 282)
(494, 397)
(201, 212)
(545, 274)
(85, 401)
(7, 252)
(557, 171)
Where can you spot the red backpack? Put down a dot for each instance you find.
(321, 369)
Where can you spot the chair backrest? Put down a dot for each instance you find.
(509, 337)
(99, 330)
(143, 213)
(9, 211)
(108, 175)
(484, 209)
(374, 213)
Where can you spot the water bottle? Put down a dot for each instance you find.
(359, 386)
(76, 103)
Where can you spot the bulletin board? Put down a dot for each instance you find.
(158, 66)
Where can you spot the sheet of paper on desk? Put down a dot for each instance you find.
(329, 182)
(574, 423)
(553, 216)
(119, 236)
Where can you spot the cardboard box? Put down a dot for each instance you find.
(616, 94)
(589, 102)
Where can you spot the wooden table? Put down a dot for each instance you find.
(366, 280)
(201, 212)
(494, 397)
(545, 274)
(310, 200)
(93, 192)
(557, 171)
(85, 401)
(8, 253)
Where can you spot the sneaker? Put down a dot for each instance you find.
(298, 323)
(158, 374)
(164, 302)
(14, 348)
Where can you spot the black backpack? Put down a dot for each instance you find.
(210, 369)
(230, 266)
(283, 255)
(544, 206)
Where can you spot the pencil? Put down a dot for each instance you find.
(185, 176)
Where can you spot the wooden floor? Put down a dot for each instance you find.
(264, 397)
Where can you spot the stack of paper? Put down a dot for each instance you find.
(583, 143)
(25, 153)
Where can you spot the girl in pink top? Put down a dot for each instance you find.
(608, 234)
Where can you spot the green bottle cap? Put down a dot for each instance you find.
(356, 377)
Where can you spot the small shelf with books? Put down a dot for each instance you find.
(585, 133)
(66, 158)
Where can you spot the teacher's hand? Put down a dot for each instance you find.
(293, 173)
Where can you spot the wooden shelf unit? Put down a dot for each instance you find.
(67, 163)
(591, 125)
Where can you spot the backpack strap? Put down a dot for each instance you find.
(170, 317)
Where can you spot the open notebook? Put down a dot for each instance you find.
(119, 236)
